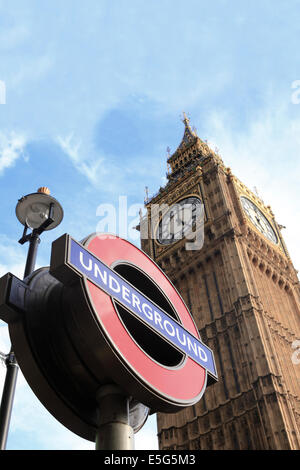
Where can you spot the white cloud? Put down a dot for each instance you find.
(265, 155)
(69, 147)
(12, 147)
(12, 258)
(93, 170)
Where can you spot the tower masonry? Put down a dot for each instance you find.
(243, 292)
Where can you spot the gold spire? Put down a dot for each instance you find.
(189, 133)
(185, 119)
(188, 129)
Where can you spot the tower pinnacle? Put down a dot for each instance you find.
(185, 119)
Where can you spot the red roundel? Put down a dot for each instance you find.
(183, 384)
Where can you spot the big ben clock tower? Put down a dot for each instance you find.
(243, 292)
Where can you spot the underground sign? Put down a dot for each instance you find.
(151, 343)
(104, 313)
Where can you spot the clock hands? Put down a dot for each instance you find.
(176, 222)
(258, 219)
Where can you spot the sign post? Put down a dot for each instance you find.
(110, 339)
(114, 431)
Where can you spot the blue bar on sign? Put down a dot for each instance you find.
(118, 288)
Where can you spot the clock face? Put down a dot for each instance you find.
(258, 219)
(179, 220)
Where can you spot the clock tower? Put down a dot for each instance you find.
(243, 292)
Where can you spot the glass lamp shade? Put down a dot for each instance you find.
(32, 210)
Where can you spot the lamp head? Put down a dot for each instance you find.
(32, 210)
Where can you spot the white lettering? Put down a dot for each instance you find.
(296, 354)
(103, 274)
(157, 211)
(295, 98)
(136, 302)
(2, 92)
(172, 332)
(123, 216)
(90, 266)
(178, 337)
(134, 211)
(196, 235)
(202, 354)
(125, 294)
(147, 313)
(116, 287)
(116, 460)
(192, 345)
(108, 223)
(157, 319)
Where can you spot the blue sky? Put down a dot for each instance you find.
(94, 95)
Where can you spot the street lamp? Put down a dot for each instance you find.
(38, 212)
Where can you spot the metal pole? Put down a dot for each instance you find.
(8, 397)
(11, 362)
(114, 431)
(34, 241)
